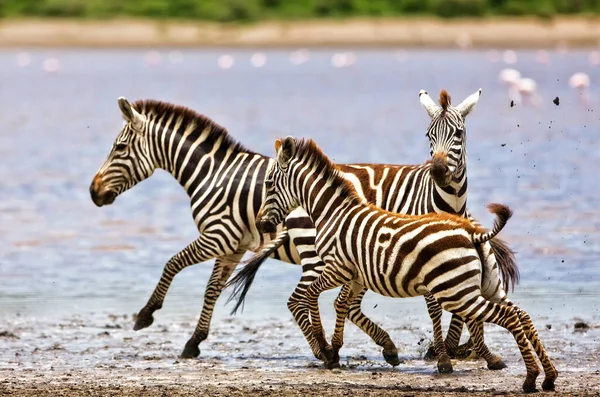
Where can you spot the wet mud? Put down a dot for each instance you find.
(99, 355)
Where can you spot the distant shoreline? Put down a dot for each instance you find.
(526, 32)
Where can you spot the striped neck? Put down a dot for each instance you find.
(452, 198)
(321, 196)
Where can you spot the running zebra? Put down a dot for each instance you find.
(395, 255)
(225, 184)
(438, 186)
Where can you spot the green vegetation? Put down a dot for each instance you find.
(253, 10)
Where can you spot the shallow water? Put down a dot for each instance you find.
(65, 265)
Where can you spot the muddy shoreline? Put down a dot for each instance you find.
(575, 31)
(202, 380)
(100, 355)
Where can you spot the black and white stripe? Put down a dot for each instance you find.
(396, 255)
(438, 186)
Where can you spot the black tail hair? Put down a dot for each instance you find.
(242, 281)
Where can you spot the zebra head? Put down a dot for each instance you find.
(278, 202)
(447, 136)
(128, 162)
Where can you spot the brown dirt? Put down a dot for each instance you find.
(421, 32)
(206, 379)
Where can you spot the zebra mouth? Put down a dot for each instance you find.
(266, 226)
(105, 198)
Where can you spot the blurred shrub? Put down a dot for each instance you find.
(251, 10)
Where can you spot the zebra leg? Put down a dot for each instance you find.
(379, 336)
(341, 305)
(329, 279)
(494, 362)
(435, 313)
(549, 370)
(491, 289)
(190, 255)
(504, 316)
(301, 312)
(223, 268)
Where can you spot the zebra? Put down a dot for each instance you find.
(224, 181)
(437, 186)
(395, 255)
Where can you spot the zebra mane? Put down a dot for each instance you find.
(308, 150)
(157, 108)
(444, 99)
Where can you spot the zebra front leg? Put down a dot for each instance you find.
(223, 268)
(190, 255)
(435, 313)
(330, 278)
(379, 336)
(341, 305)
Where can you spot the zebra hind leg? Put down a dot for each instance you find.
(435, 313)
(221, 272)
(379, 336)
(452, 339)
(494, 362)
(506, 317)
(549, 370)
(190, 255)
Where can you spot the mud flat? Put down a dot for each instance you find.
(99, 355)
(414, 32)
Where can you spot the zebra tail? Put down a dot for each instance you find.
(505, 258)
(507, 263)
(243, 278)
(503, 214)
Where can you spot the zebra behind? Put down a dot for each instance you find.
(438, 186)
(395, 255)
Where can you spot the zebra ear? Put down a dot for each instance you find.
(469, 104)
(287, 151)
(130, 114)
(427, 103)
(277, 145)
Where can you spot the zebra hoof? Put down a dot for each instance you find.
(548, 385)
(430, 355)
(497, 365)
(391, 357)
(144, 320)
(445, 368)
(530, 388)
(191, 350)
(332, 364)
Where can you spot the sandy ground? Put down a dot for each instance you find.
(205, 381)
(418, 32)
(99, 355)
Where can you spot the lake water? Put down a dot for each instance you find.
(62, 258)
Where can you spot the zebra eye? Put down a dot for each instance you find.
(459, 132)
(120, 147)
(269, 183)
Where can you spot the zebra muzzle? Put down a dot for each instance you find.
(99, 195)
(440, 172)
(266, 226)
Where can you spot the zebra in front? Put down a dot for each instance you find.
(395, 255)
(438, 186)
